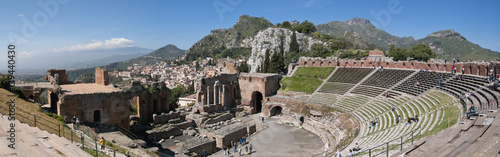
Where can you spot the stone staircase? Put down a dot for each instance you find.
(31, 141)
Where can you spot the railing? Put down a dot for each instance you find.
(61, 130)
(127, 133)
(386, 147)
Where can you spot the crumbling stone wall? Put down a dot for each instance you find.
(101, 76)
(197, 145)
(113, 108)
(164, 118)
(472, 68)
(231, 133)
(57, 77)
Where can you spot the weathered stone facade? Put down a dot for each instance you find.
(100, 104)
(256, 87)
(229, 90)
(221, 89)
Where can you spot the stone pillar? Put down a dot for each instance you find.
(215, 94)
(220, 94)
(208, 95)
(223, 95)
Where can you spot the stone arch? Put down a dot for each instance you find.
(276, 111)
(478, 70)
(305, 63)
(53, 101)
(301, 119)
(257, 99)
(97, 116)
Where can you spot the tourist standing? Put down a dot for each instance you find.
(239, 150)
(251, 147)
(204, 153)
(246, 150)
(103, 143)
(77, 124)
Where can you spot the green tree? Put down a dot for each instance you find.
(422, 52)
(243, 67)
(294, 49)
(176, 93)
(317, 50)
(197, 65)
(5, 83)
(266, 65)
(294, 45)
(287, 25)
(190, 89)
(305, 27)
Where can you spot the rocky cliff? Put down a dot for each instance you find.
(271, 38)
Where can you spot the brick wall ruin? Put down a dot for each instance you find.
(471, 68)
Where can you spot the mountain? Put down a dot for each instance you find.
(104, 61)
(167, 52)
(239, 36)
(76, 59)
(447, 44)
(366, 30)
(164, 53)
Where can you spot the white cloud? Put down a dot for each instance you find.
(98, 45)
(25, 54)
(20, 15)
(316, 3)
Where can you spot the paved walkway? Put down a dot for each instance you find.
(281, 140)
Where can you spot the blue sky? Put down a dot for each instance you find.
(153, 24)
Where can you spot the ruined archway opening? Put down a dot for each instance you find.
(53, 102)
(97, 116)
(301, 119)
(134, 106)
(276, 111)
(257, 101)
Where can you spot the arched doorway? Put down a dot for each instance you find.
(301, 119)
(276, 111)
(257, 101)
(53, 102)
(97, 116)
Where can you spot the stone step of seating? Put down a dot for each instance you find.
(350, 75)
(31, 141)
(336, 88)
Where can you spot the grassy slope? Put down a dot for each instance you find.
(306, 83)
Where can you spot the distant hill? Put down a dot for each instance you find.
(104, 61)
(164, 53)
(366, 30)
(447, 44)
(238, 36)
